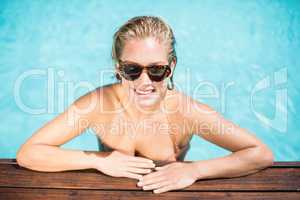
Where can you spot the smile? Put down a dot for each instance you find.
(144, 92)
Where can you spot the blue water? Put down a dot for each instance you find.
(240, 57)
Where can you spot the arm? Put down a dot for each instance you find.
(240, 163)
(248, 155)
(42, 152)
(47, 158)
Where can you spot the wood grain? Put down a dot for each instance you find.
(27, 193)
(279, 181)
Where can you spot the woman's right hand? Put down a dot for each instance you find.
(118, 164)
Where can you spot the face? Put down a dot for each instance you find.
(147, 52)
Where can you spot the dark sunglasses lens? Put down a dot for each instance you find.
(131, 72)
(158, 73)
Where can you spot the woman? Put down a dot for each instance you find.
(144, 123)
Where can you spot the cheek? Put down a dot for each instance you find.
(161, 87)
(127, 85)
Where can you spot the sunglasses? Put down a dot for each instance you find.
(132, 71)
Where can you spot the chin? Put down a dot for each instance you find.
(147, 102)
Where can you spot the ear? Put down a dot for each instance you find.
(173, 62)
(173, 65)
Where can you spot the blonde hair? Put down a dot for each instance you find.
(139, 28)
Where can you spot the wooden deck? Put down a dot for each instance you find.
(281, 181)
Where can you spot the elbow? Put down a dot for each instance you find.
(264, 157)
(22, 157)
(268, 158)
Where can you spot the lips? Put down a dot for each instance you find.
(144, 92)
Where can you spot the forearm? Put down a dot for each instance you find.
(52, 159)
(239, 163)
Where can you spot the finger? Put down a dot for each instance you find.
(166, 166)
(156, 185)
(151, 181)
(140, 164)
(152, 175)
(132, 175)
(138, 170)
(162, 168)
(164, 189)
(139, 159)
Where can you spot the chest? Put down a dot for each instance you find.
(156, 139)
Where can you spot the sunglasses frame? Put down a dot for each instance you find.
(152, 78)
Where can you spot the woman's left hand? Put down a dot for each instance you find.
(176, 175)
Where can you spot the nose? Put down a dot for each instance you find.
(144, 78)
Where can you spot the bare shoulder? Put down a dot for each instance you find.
(187, 106)
(98, 103)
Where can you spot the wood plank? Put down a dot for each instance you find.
(28, 193)
(287, 164)
(271, 179)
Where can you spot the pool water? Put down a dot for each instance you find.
(239, 57)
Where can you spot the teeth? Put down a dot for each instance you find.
(145, 92)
